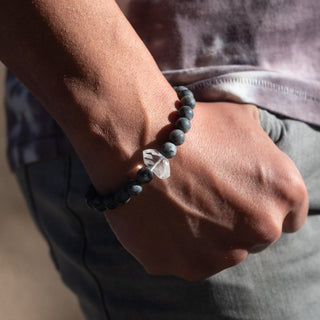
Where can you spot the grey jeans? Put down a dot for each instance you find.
(282, 282)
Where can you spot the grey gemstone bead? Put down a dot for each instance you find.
(110, 202)
(98, 203)
(169, 150)
(177, 137)
(186, 112)
(183, 124)
(133, 187)
(122, 196)
(180, 88)
(144, 175)
(188, 101)
(184, 93)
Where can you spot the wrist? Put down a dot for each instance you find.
(111, 139)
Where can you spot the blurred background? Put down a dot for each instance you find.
(30, 287)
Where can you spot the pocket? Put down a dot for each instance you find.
(301, 142)
(273, 126)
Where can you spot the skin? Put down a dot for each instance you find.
(231, 192)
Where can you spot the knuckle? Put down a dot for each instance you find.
(235, 257)
(267, 230)
(293, 187)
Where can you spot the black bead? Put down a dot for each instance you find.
(183, 124)
(122, 196)
(98, 203)
(110, 202)
(186, 112)
(144, 175)
(184, 93)
(134, 187)
(177, 137)
(169, 150)
(180, 88)
(188, 101)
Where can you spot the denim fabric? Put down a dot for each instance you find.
(281, 283)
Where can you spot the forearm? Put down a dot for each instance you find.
(92, 73)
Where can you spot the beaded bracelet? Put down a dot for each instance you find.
(155, 162)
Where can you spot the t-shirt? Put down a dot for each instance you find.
(264, 52)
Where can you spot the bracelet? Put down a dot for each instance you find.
(155, 162)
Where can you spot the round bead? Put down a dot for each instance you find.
(180, 88)
(184, 93)
(183, 124)
(186, 112)
(177, 137)
(110, 202)
(98, 203)
(188, 101)
(122, 196)
(144, 175)
(169, 150)
(133, 187)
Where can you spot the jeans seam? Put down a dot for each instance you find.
(85, 241)
(37, 216)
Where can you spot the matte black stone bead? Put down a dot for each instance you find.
(181, 88)
(188, 101)
(122, 196)
(144, 175)
(184, 93)
(110, 202)
(98, 203)
(133, 187)
(183, 124)
(186, 112)
(177, 137)
(169, 150)
(90, 195)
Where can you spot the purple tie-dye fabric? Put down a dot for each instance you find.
(264, 52)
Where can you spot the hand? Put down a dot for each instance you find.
(231, 192)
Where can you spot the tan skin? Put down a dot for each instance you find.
(231, 192)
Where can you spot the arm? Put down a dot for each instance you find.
(231, 191)
(93, 74)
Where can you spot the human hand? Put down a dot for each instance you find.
(231, 192)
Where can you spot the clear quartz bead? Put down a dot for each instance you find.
(158, 164)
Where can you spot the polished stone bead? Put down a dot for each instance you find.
(188, 101)
(144, 175)
(183, 124)
(169, 150)
(186, 112)
(110, 202)
(122, 196)
(134, 187)
(177, 137)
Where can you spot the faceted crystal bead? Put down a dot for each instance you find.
(158, 164)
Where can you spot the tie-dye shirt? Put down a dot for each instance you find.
(265, 52)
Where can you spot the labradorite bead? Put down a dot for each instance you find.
(133, 187)
(183, 124)
(144, 175)
(177, 137)
(122, 196)
(184, 93)
(110, 202)
(169, 150)
(98, 203)
(186, 112)
(188, 101)
(180, 88)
